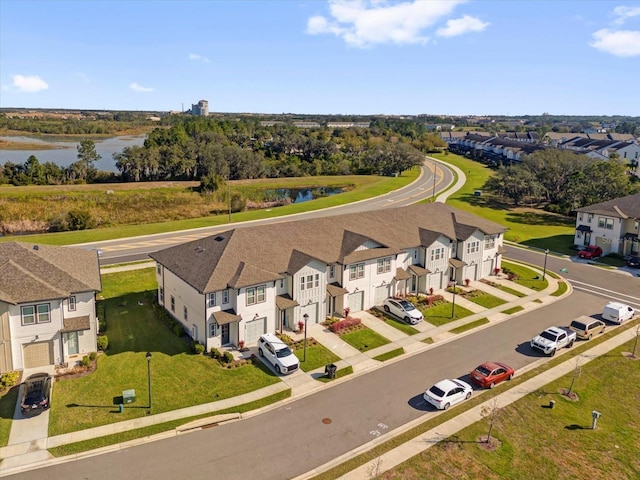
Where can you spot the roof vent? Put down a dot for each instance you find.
(199, 249)
(219, 238)
(36, 247)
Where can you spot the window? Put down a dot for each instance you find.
(473, 247)
(158, 269)
(589, 218)
(489, 241)
(578, 234)
(256, 295)
(28, 315)
(185, 313)
(212, 329)
(72, 304)
(580, 217)
(332, 270)
(317, 280)
(225, 296)
(604, 222)
(302, 282)
(212, 299)
(162, 295)
(437, 253)
(309, 282)
(384, 265)
(356, 271)
(43, 313)
(282, 283)
(173, 304)
(415, 254)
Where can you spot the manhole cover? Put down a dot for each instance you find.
(326, 421)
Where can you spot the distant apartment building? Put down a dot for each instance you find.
(201, 108)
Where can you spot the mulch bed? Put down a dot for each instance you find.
(491, 446)
(573, 396)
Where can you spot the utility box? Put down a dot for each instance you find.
(477, 193)
(128, 396)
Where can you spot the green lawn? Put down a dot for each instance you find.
(484, 299)
(562, 287)
(511, 310)
(8, 402)
(364, 339)
(395, 323)
(539, 443)
(389, 355)
(317, 356)
(341, 372)
(131, 281)
(526, 277)
(470, 326)
(530, 226)
(441, 314)
(511, 291)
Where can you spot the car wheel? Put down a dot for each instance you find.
(492, 384)
(278, 370)
(602, 331)
(511, 376)
(468, 396)
(407, 320)
(260, 352)
(386, 308)
(446, 406)
(590, 336)
(552, 353)
(570, 344)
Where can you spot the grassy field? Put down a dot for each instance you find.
(175, 207)
(569, 448)
(527, 225)
(484, 299)
(364, 339)
(8, 402)
(317, 356)
(389, 355)
(470, 326)
(441, 314)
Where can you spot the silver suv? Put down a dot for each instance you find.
(278, 354)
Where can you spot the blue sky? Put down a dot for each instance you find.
(448, 57)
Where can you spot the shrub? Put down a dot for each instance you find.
(227, 357)
(240, 344)
(85, 361)
(300, 325)
(342, 325)
(430, 290)
(467, 281)
(197, 348)
(92, 356)
(496, 271)
(9, 379)
(215, 353)
(103, 342)
(347, 310)
(178, 329)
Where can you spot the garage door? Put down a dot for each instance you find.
(381, 293)
(487, 268)
(253, 329)
(312, 311)
(355, 301)
(470, 272)
(37, 354)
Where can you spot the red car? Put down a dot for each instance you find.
(592, 251)
(489, 374)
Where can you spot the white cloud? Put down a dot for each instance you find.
(194, 57)
(30, 84)
(621, 43)
(460, 26)
(139, 88)
(362, 23)
(624, 13)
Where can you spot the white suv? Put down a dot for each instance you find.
(403, 309)
(278, 353)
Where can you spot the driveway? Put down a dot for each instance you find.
(29, 429)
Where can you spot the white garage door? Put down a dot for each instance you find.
(487, 268)
(312, 311)
(356, 301)
(37, 354)
(253, 329)
(434, 280)
(469, 272)
(381, 293)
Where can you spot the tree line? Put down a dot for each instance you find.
(562, 181)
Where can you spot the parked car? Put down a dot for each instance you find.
(489, 374)
(402, 309)
(591, 251)
(278, 354)
(553, 339)
(448, 392)
(36, 393)
(617, 312)
(586, 327)
(633, 262)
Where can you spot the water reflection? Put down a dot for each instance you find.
(299, 195)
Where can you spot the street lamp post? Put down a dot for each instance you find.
(453, 305)
(149, 377)
(304, 356)
(544, 269)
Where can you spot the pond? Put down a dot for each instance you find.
(299, 195)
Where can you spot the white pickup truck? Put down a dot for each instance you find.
(553, 339)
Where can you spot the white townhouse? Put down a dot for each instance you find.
(612, 225)
(236, 285)
(47, 305)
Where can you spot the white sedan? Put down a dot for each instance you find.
(403, 309)
(448, 392)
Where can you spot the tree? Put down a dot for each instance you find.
(88, 155)
(576, 374)
(34, 171)
(491, 412)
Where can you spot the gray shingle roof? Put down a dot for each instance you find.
(624, 207)
(31, 272)
(251, 255)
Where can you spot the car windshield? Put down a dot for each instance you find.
(407, 306)
(285, 352)
(437, 392)
(34, 397)
(578, 325)
(590, 249)
(548, 336)
(483, 370)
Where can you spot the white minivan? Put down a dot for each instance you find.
(617, 312)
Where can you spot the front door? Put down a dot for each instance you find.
(587, 238)
(72, 343)
(225, 334)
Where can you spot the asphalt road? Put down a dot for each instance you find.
(138, 248)
(292, 439)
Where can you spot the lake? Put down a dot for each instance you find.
(65, 153)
